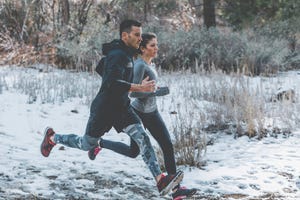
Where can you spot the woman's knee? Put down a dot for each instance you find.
(134, 153)
(134, 149)
(167, 147)
(169, 144)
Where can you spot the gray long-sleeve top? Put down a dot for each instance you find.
(145, 101)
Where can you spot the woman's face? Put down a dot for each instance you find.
(151, 48)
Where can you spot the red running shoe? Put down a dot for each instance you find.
(47, 144)
(166, 183)
(182, 193)
(93, 152)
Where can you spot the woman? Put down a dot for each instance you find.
(146, 107)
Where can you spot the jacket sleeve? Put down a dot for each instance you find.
(138, 75)
(100, 66)
(115, 71)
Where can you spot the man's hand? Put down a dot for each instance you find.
(149, 86)
(146, 86)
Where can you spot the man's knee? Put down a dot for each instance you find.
(138, 134)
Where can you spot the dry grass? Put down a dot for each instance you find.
(198, 105)
(202, 104)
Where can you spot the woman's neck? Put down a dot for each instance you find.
(148, 60)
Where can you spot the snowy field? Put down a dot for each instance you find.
(239, 168)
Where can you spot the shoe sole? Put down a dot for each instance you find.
(178, 178)
(186, 196)
(192, 193)
(91, 158)
(45, 134)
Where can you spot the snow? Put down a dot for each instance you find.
(241, 168)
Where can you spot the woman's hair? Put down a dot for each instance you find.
(146, 37)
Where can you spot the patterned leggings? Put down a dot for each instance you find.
(135, 131)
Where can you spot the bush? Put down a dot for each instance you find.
(251, 52)
(229, 52)
(82, 52)
(190, 139)
(286, 31)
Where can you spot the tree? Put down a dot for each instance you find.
(205, 10)
(209, 13)
(241, 14)
(64, 10)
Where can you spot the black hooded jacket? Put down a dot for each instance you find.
(117, 71)
(111, 104)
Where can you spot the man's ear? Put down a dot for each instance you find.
(124, 36)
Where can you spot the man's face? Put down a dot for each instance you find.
(134, 38)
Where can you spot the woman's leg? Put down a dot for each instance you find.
(131, 151)
(156, 126)
(164, 183)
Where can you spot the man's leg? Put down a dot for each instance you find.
(71, 140)
(84, 143)
(137, 133)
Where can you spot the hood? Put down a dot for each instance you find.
(117, 44)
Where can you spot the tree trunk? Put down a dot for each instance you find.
(83, 10)
(209, 13)
(53, 15)
(146, 10)
(65, 12)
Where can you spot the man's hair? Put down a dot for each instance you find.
(126, 25)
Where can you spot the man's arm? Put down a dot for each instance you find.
(115, 80)
(114, 76)
(138, 74)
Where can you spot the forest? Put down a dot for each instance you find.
(256, 37)
(233, 109)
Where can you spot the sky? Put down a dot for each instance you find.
(235, 168)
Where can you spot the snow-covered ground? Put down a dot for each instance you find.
(239, 168)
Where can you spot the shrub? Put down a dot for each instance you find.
(228, 51)
(190, 139)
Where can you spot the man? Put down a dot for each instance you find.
(111, 107)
